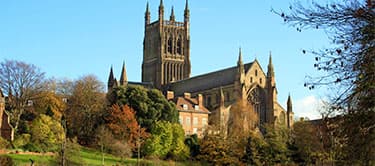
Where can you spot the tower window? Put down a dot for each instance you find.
(179, 46)
(251, 79)
(256, 73)
(169, 45)
(260, 80)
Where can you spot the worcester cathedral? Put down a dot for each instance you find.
(166, 66)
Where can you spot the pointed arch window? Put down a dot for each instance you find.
(256, 73)
(169, 45)
(179, 46)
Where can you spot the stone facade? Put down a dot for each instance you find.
(166, 66)
(166, 48)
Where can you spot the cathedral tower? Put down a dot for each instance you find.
(166, 48)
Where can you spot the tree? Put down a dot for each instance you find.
(85, 108)
(150, 106)
(46, 133)
(50, 104)
(216, 151)
(122, 123)
(21, 82)
(307, 142)
(243, 120)
(166, 141)
(255, 150)
(348, 65)
(275, 151)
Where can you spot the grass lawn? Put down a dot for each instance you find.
(85, 157)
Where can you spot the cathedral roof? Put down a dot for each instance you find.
(207, 81)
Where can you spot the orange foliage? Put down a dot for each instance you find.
(124, 126)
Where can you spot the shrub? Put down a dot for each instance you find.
(32, 148)
(6, 161)
(3, 143)
(22, 140)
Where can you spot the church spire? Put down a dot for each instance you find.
(270, 72)
(161, 11)
(147, 14)
(111, 79)
(172, 18)
(123, 78)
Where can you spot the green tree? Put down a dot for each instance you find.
(349, 64)
(276, 150)
(46, 133)
(166, 141)
(255, 150)
(150, 105)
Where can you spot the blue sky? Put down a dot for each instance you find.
(69, 39)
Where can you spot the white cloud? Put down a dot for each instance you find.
(307, 107)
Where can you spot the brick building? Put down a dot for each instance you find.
(193, 116)
(5, 130)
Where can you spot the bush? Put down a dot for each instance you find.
(46, 133)
(6, 161)
(3, 143)
(32, 148)
(22, 140)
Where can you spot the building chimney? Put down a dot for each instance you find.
(200, 99)
(187, 95)
(170, 95)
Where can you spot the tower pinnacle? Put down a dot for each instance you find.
(239, 62)
(270, 72)
(172, 18)
(147, 14)
(187, 12)
(161, 11)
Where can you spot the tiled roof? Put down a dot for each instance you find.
(191, 102)
(207, 81)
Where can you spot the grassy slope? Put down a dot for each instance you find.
(87, 157)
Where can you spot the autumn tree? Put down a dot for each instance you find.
(347, 65)
(149, 105)
(85, 109)
(122, 123)
(21, 82)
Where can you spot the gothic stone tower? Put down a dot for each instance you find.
(166, 48)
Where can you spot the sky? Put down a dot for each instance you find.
(71, 39)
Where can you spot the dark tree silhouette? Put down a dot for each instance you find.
(348, 65)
